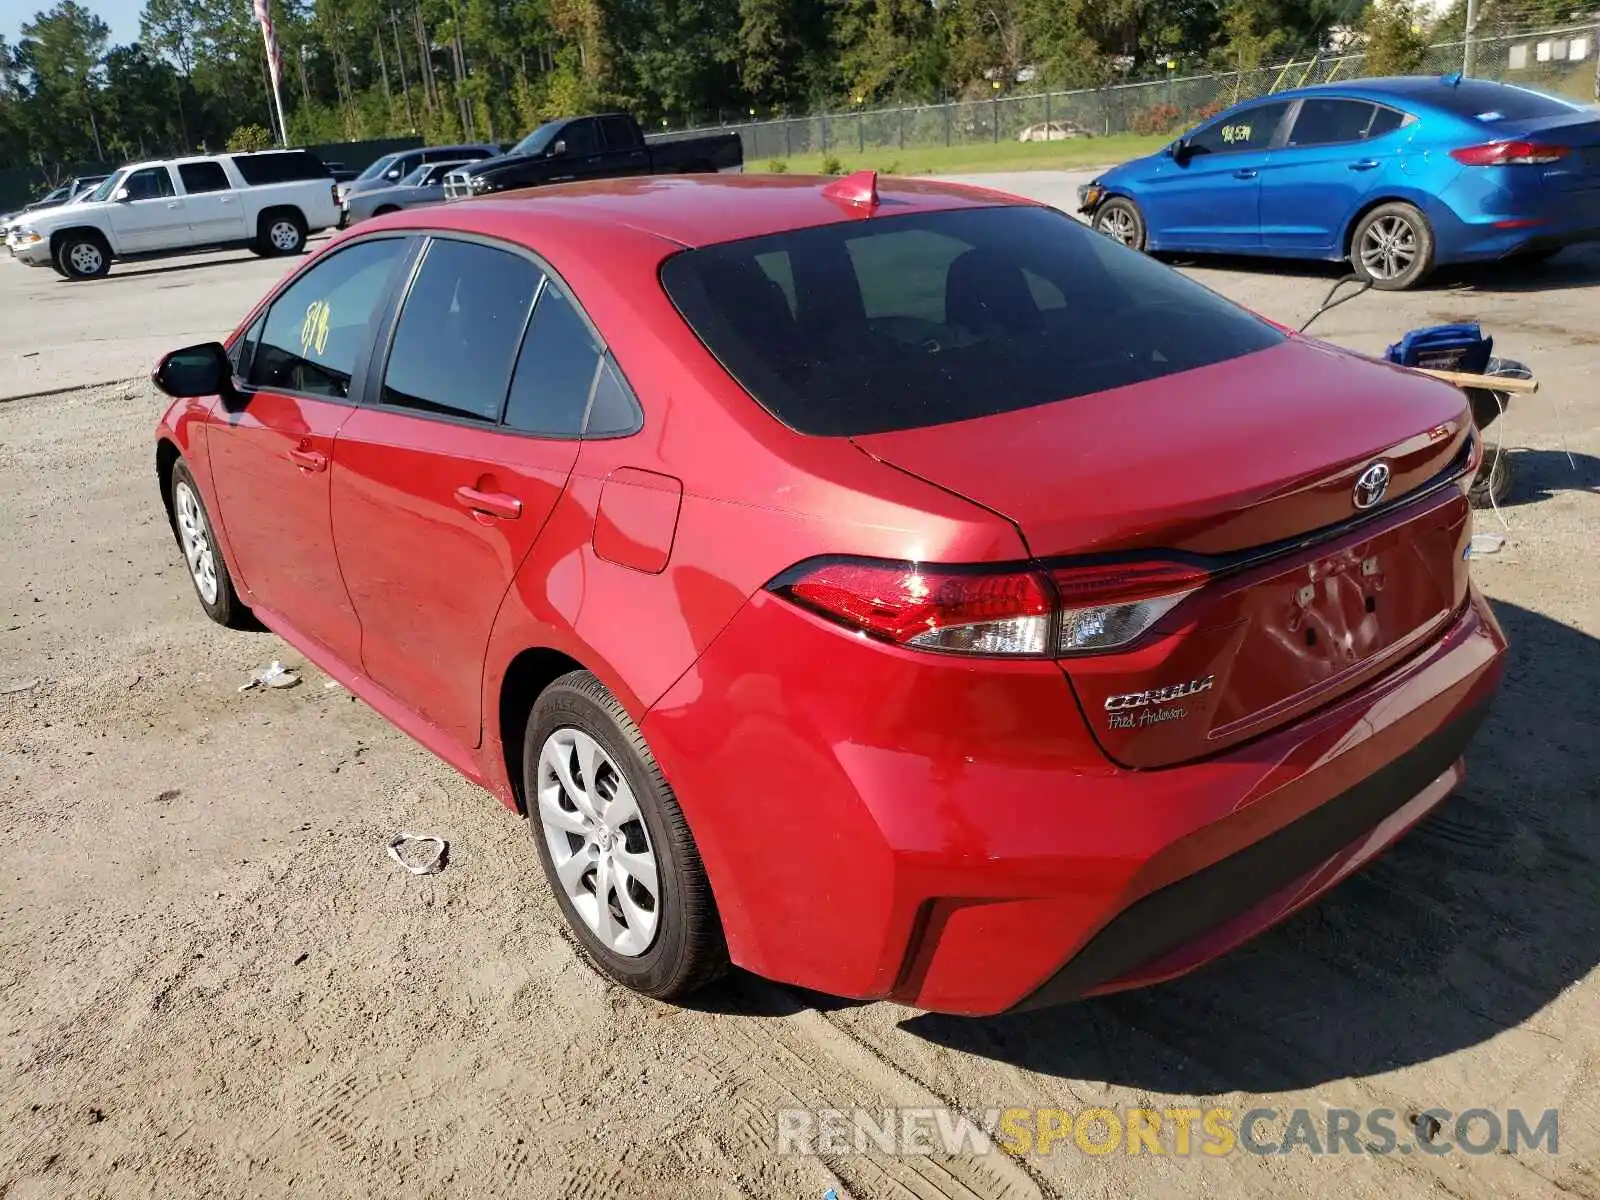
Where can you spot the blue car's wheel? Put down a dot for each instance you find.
(1121, 221)
(1392, 247)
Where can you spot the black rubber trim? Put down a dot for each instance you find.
(1183, 911)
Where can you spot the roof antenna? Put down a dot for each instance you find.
(1452, 80)
(859, 190)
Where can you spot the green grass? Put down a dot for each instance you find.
(962, 160)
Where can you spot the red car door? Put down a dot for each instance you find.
(437, 499)
(272, 450)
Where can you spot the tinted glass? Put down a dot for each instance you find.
(317, 329)
(905, 322)
(581, 137)
(152, 183)
(1496, 102)
(104, 190)
(1386, 120)
(1324, 122)
(556, 369)
(458, 331)
(55, 194)
(619, 133)
(613, 409)
(279, 166)
(1247, 129)
(203, 177)
(377, 168)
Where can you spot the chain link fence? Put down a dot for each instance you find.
(1560, 60)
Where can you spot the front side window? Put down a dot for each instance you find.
(1247, 129)
(203, 177)
(864, 327)
(152, 183)
(458, 331)
(318, 327)
(581, 138)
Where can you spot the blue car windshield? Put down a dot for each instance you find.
(103, 192)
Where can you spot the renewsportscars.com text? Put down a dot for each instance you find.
(1176, 1132)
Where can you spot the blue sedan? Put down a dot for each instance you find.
(1396, 175)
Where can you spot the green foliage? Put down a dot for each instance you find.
(1396, 42)
(449, 70)
(831, 165)
(777, 166)
(250, 137)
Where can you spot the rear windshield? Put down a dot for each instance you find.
(1482, 100)
(904, 322)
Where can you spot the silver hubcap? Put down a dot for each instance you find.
(1389, 248)
(85, 258)
(196, 543)
(284, 235)
(1119, 225)
(598, 842)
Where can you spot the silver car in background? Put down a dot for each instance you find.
(425, 185)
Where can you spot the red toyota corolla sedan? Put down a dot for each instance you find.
(891, 588)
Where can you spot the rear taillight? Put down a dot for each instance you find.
(976, 610)
(1509, 154)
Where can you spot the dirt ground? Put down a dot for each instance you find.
(213, 982)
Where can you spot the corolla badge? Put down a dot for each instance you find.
(1373, 485)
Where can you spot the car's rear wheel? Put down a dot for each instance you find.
(1392, 247)
(1121, 221)
(281, 232)
(83, 256)
(615, 847)
(207, 571)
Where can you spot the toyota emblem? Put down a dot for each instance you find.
(1373, 485)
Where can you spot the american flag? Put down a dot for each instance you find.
(274, 55)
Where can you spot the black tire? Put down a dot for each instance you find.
(1407, 261)
(281, 231)
(83, 256)
(385, 210)
(1537, 258)
(1493, 483)
(1120, 219)
(687, 951)
(224, 606)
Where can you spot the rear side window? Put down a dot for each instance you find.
(279, 166)
(318, 327)
(906, 322)
(203, 177)
(1327, 122)
(458, 331)
(1386, 120)
(1492, 103)
(556, 369)
(618, 133)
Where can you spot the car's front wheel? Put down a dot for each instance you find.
(1121, 221)
(1392, 247)
(207, 570)
(83, 256)
(615, 846)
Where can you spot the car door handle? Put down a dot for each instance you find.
(172, 204)
(1365, 164)
(309, 460)
(1245, 173)
(495, 504)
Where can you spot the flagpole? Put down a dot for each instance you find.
(274, 65)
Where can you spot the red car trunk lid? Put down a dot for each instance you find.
(1250, 467)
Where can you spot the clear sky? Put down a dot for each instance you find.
(121, 15)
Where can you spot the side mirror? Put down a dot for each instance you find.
(122, 195)
(202, 370)
(560, 148)
(1181, 151)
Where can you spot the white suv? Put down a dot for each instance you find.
(268, 201)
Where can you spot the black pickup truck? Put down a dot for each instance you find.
(595, 147)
